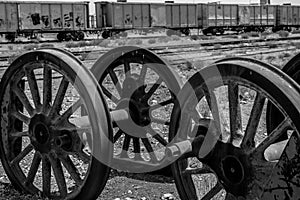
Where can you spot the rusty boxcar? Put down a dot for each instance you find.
(65, 18)
(115, 17)
(181, 17)
(220, 17)
(288, 17)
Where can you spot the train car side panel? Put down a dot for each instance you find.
(8, 17)
(3, 19)
(234, 15)
(80, 16)
(271, 15)
(146, 15)
(169, 16)
(212, 18)
(290, 15)
(183, 15)
(192, 15)
(296, 15)
(101, 14)
(175, 15)
(45, 16)
(202, 14)
(158, 15)
(264, 14)
(230, 13)
(128, 18)
(68, 18)
(56, 16)
(30, 16)
(137, 15)
(219, 14)
(244, 15)
(118, 19)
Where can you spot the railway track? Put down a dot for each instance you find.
(186, 53)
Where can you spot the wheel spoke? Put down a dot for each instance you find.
(153, 89)
(257, 109)
(66, 115)
(160, 139)
(109, 95)
(33, 168)
(115, 80)
(143, 74)
(117, 135)
(22, 154)
(20, 134)
(234, 110)
(59, 175)
(162, 104)
(83, 156)
(23, 98)
(215, 190)
(213, 105)
(203, 170)
(127, 68)
(59, 97)
(149, 148)
(125, 146)
(34, 89)
(47, 87)
(274, 135)
(137, 148)
(73, 171)
(160, 121)
(46, 174)
(21, 116)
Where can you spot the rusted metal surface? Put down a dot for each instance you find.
(244, 167)
(143, 84)
(38, 136)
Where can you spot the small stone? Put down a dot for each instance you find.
(117, 199)
(129, 192)
(143, 198)
(127, 198)
(168, 196)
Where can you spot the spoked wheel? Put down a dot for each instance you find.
(138, 81)
(274, 115)
(235, 158)
(42, 148)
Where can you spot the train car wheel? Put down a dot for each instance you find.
(106, 34)
(236, 159)
(274, 116)
(60, 36)
(41, 148)
(138, 80)
(80, 35)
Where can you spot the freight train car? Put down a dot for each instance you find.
(288, 17)
(118, 17)
(69, 20)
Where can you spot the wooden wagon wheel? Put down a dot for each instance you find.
(137, 80)
(235, 158)
(42, 152)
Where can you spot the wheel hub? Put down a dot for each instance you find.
(232, 169)
(137, 107)
(40, 133)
